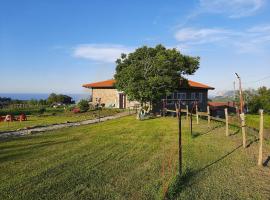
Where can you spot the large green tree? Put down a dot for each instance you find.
(59, 98)
(259, 99)
(148, 74)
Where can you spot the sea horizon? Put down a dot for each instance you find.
(37, 96)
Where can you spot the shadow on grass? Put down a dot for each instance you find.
(266, 162)
(220, 159)
(197, 134)
(181, 182)
(235, 133)
(251, 142)
(27, 149)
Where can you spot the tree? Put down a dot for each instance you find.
(33, 102)
(52, 98)
(83, 105)
(42, 102)
(148, 74)
(59, 98)
(260, 99)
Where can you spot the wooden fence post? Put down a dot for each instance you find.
(187, 111)
(260, 162)
(243, 125)
(237, 112)
(197, 114)
(208, 115)
(227, 121)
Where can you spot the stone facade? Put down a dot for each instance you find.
(108, 96)
(111, 98)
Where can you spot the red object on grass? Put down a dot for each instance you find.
(2, 118)
(9, 118)
(22, 117)
(76, 110)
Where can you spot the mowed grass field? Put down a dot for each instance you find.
(57, 118)
(131, 159)
(254, 120)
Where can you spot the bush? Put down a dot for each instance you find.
(71, 107)
(29, 111)
(42, 110)
(83, 105)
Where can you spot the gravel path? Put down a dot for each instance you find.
(58, 126)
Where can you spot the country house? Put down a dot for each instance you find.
(108, 95)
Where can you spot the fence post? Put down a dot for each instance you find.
(243, 125)
(208, 116)
(227, 121)
(237, 112)
(187, 111)
(260, 162)
(197, 114)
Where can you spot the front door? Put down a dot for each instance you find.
(122, 101)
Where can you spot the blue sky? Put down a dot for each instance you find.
(57, 45)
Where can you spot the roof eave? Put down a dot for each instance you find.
(98, 87)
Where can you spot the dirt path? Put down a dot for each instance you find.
(58, 126)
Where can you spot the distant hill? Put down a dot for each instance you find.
(224, 96)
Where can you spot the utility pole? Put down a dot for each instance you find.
(240, 94)
(234, 91)
(234, 99)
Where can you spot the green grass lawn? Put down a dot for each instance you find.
(254, 121)
(60, 117)
(131, 159)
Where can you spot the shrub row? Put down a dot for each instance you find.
(29, 111)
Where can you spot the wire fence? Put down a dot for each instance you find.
(231, 126)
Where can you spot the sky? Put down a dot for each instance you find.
(58, 45)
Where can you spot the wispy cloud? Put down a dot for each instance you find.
(230, 8)
(100, 52)
(253, 39)
(201, 36)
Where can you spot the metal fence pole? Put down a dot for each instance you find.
(180, 138)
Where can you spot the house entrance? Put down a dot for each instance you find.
(122, 101)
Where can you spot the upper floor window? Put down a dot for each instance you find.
(181, 95)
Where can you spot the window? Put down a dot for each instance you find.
(201, 97)
(193, 95)
(181, 95)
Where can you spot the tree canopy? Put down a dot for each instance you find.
(59, 98)
(148, 74)
(259, 99)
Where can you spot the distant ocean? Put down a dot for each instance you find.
(37, 96)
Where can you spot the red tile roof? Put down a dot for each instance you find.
(199, 85)
(110, 84)
(102, 84)
(221, 104)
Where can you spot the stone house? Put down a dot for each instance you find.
(111, 97)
